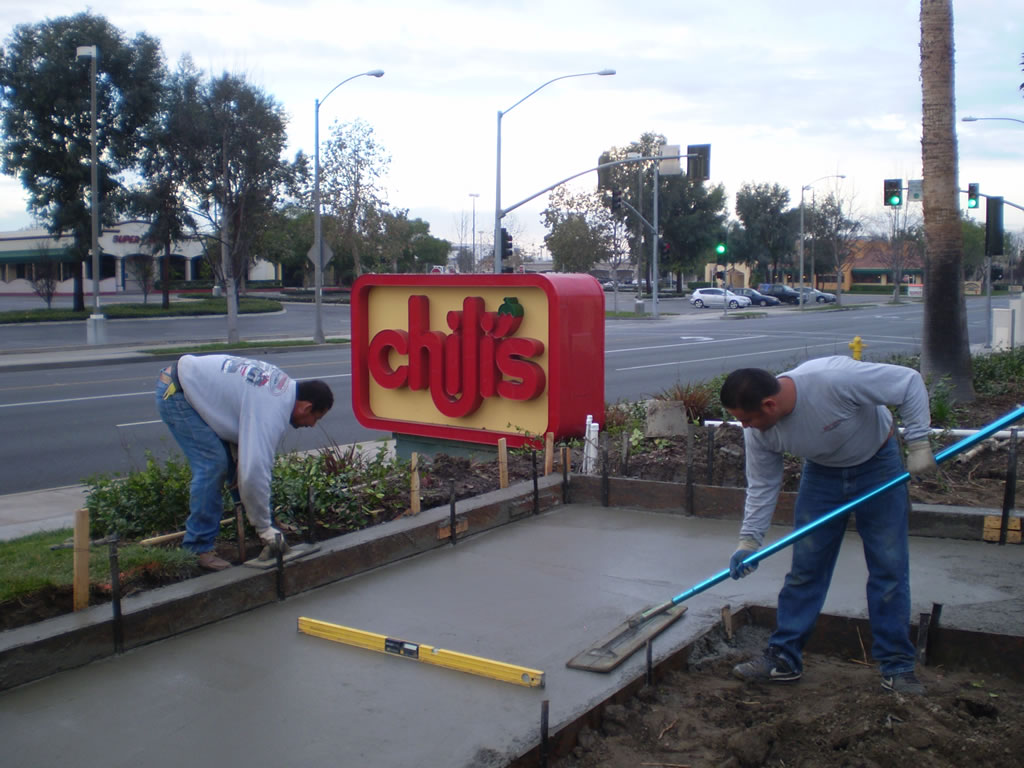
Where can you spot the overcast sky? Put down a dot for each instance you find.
(785, 91)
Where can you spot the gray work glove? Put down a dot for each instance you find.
(920, 460)
(747, 545)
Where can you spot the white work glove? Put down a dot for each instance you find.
(747, 545)
(919, 458)
(269, 536)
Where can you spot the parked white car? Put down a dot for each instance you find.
(717, 297)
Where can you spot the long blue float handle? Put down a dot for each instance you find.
(756, 557)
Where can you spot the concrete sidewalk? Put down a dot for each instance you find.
(250, 690)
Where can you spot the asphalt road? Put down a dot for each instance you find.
(61, 425)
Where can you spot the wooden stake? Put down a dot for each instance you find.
(80, 588)
(549, 453)
(414, 493)
(502, 464)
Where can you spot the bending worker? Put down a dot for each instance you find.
(832, 412)
(213, 403)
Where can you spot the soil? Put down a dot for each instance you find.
(836, 715)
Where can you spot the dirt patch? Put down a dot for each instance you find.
(977, 481)
(837, 715)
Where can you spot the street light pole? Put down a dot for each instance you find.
(804, 188)
(96, 330)
(318, 243)
(474, 195)
(498, 213)
(971, 119)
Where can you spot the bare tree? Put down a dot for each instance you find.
(838, 231)
(142, 269)
(464, 231)
(945, 345)
(898, 243)
(45, 276)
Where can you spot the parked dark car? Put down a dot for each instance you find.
(783, 293)
(757, 298)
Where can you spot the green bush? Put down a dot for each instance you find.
(142, 503)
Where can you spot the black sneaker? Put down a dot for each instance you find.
(769, 667)
(904, 682)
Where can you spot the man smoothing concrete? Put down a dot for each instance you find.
(832, 412)
(215, 403)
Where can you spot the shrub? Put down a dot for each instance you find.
(142, 503)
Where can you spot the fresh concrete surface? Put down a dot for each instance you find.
(252, 691)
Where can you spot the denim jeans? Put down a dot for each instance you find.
(209, 457)
(882, 525)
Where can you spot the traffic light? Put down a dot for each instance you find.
(721, 248)
(893, 194)
(698, 162)
(994, 226)
(506, 245)
(616, 199)
(666, 248)
(972, 195)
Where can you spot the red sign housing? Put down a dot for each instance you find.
(478, 357)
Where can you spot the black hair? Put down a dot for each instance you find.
(316, 393)
(745, 388)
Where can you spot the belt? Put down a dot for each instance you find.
(169, 376)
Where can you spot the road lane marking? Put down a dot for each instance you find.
(125, 394)
(724, 357)
(688, 344)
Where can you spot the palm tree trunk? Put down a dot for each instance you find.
(945, 348)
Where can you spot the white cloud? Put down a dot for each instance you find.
(785, 91)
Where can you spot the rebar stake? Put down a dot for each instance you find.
(115, 596)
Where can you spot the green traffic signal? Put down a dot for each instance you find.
(972, 195)
(893, 192)
(720, 249)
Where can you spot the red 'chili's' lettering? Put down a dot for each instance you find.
(463, 367)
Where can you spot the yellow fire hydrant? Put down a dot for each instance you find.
(857, 345)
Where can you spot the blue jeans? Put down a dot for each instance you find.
(209, 457)
(882, 525)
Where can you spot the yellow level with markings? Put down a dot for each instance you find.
(428, 654)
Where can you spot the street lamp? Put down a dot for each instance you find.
(95, 328)
(971, 119)
(497, 182)
(804, 188)
(474, 195)
(317, 252)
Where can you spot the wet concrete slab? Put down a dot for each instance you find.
(252, 691)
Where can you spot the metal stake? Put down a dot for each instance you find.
(279, 541)
(536, 493)
(115, 596)
(1010, 490)
(451, 513)
(544, 733)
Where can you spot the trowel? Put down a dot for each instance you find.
(618, 646)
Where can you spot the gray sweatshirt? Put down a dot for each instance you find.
(246, 402)
(840, 420)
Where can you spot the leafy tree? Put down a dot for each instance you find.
(635, 182)
(769, 228)
(235, 137)
(580, 230)
(351, 188)
(945, 345)
(973, 234)
(141, 268)
(692, 216)
(45, 99)
(161, 196)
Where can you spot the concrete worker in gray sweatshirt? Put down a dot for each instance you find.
(219, 407)
(834, 413)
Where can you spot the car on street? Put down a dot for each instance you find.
(757, 298)
(783, 293)
(717, 297)
(819, 297)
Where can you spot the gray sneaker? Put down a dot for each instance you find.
(904, 682)
(769, 667)
(209, 561)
